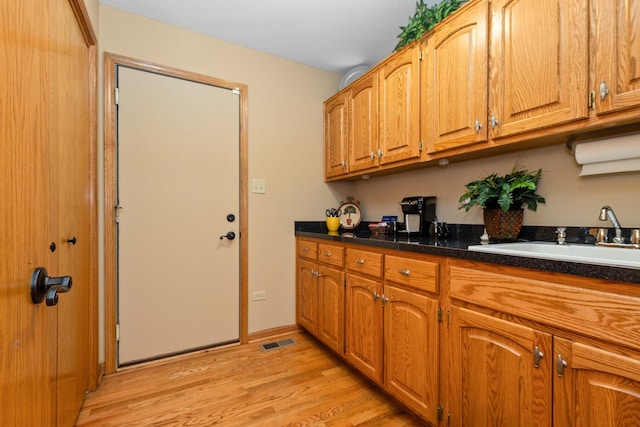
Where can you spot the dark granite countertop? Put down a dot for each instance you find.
(462, 236)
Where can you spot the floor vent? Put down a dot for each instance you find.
(277, 344)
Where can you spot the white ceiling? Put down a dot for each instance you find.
(333, 35)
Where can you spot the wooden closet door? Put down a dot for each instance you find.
(70, 172)
(46, 200)
(28, 332)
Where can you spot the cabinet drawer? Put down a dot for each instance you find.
(331, 254)
(307, 249)
(364, 262)
(416, 273)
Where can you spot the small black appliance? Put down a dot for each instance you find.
(419, 212)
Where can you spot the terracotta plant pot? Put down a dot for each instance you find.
(503, 226)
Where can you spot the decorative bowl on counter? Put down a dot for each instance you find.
(378, 228)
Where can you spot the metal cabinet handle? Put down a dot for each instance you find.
(344, 164)
(375, 296)
(360, 261)
(561, 365)
(372, 155)
(43, 286)
(379, 153)
(537, 356)
(305, 249)
(327, 254)
(405, 272)
(72, 240)
(494, 121)
(478, 126)
(604, 90)
(384, 300)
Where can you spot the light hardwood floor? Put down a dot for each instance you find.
(301, 385)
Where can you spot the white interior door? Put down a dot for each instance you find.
(177, 183)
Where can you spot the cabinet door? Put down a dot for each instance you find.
(411, 350)
(307, 298)
(455, 87)
(330, 329)
(364, 326)
(363, 123)
(538, 64)
(616, 26)
(494, 378)
(335, 136)
(399, 84)
(596, 387)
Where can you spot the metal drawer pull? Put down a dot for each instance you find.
(360, 261)
(537, 356)
(327, 254)
(305, 249)
(375, 296)
(405, 272)
(561, 365)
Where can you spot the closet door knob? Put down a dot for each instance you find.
(43, 286)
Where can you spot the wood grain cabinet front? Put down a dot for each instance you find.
(336, 134)
(454, 81)
(616, 55)
(529, 348)
(538, 64)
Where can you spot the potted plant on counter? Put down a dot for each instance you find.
(502, 198)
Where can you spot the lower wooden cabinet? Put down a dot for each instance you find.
(364, 325)
(320, 298)
(533, 349)
(594, 387)
(464, 343)
(500, 372)
(411, 350)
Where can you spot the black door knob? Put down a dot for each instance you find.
(230, 235)
(43, 286)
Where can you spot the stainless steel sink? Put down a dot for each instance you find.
(590, 254)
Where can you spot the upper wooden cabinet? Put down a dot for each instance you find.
(335, 136)
(363, 123)
(399, 114)
(616, 56)
(538, 64)
(495, 73)
(454, 86)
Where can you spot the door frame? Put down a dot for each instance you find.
(111, 61)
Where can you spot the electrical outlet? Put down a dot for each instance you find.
(258, 186)
(259, 296)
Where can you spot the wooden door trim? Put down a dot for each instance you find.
(111, 61)
(84, 24)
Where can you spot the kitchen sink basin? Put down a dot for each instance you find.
(590, 254)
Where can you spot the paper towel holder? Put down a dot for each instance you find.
(599, 134)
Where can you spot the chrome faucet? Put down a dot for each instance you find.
(606, 213)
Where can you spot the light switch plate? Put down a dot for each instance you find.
(258, 186)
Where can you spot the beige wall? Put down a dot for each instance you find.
(285, 149)
(285, 142)
(571, 200)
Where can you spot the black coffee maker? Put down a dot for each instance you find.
(419, 212)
